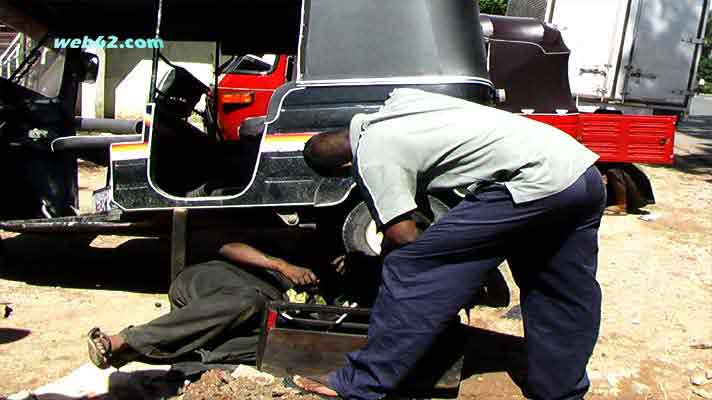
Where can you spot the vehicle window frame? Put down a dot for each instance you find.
(230, 71)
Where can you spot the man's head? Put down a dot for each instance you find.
(329, 153)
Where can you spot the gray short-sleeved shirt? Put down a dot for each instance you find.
(422, 142)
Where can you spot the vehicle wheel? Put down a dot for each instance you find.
(359, 233)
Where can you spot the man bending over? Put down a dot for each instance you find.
(534, 198)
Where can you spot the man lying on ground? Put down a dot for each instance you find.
(216, 312)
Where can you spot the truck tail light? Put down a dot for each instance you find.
(238, 98)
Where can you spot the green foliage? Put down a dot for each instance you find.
(493, 6)
(705, 72)
(707, 48)
(705, 69)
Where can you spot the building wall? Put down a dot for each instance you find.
(122, 88)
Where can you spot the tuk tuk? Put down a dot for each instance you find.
(263, 178)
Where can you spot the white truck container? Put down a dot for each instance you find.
(639, 54)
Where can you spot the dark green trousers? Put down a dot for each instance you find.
(216, 315)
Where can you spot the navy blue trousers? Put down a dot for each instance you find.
(551, 246)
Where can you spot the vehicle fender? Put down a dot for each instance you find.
(333, 191)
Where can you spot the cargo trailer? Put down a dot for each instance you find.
(641, 55)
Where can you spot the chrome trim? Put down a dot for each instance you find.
(401, 80)
(298, 61)
(341, 200)
(222, 206)
(216, 198)
(532, 44)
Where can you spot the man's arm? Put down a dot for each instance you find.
(247, 255)
(398, 234)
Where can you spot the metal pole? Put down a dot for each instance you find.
(218, 56)
(696, 58)
(179, 241)
(156, 52)
(21, 50)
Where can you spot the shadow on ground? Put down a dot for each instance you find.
(139, 265)
(134, 264)
(487, 351)
(693, 147)
(9, 335)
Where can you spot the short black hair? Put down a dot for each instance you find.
(326, 153)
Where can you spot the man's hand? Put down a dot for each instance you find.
(298, 275)
(398, 235)
(339, 264)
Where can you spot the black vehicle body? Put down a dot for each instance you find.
(35, 181)
(335, 79)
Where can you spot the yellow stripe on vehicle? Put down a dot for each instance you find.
(129, 151)
(286, 142)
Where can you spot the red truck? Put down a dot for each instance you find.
(246, 87)
(249, 82)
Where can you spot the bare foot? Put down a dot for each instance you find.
(315, 385)
(117, 343)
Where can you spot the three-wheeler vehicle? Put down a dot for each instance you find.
(179, 168)
(347, 59)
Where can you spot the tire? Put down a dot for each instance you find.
(359, 233)
(360, 238)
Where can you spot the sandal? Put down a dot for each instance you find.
(291, 382)
(100, 353)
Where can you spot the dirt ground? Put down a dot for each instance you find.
(655, 271)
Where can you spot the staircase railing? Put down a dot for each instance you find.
(11, 58)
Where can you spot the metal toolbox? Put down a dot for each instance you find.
(312, 340)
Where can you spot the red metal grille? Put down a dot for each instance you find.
(620, 138)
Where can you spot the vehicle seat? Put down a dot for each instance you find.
(527, 30)
(530, 61)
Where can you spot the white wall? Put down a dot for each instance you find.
(122, 88)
